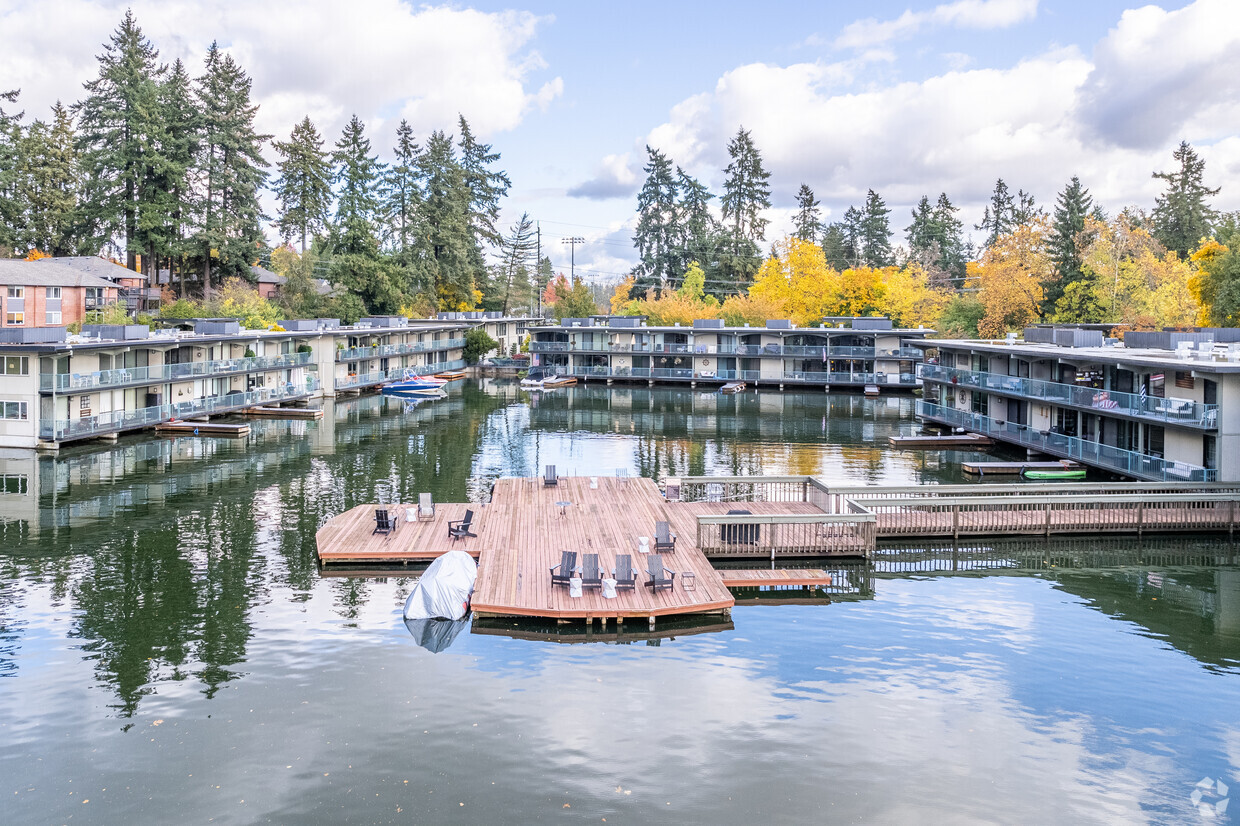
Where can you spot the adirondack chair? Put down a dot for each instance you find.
(664, 539)
(459, 528)
(549, 478)
(426, 507)
(660, 577)
(385, 521)
(566, 568)
(591, 575)
(624, 574)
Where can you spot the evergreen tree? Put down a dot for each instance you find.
(10, 141)
(875, 232)
(181, 143)
(358, 174)
(1072, 207)
(304, 187)
(808, 217)
(954, 251)
(998, 218)
(745, 194)
(449, 241)
(838, 247)
(512, 284)
(48, 185)
(119, 129)
(657, 236)
(231, 171)
(936, 241)
(698, 230)
(402, 194)
(923, 234)
(1181, 215)
(1025, 209)
(486, 186)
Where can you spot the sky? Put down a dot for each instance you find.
(906, 98)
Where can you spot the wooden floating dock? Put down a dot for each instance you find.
(1015, 468)
(933, 442)
(451, 375)
(732, 387)
(760, 577)
(306, 413)
(235, 431)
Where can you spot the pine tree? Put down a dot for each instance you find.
(513, 284)
(449, 240)
(923, 234)
(746, 194)
(304, 187)
(998, 217)
(10, 141)
(231, 170)
(181, 135)
(837, 247)
(49, 185)
(808, 217)
(1072, 207)
(1026, 209)
(698, 229)
(402, 194)
(657, 236)
(954, 251)
(875, 232)
(119, 128)
(358, 174)
(936, 241)
(1181, 215)
(486, 186)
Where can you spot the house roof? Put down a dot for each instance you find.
(17, 273)
(94, 265)
(266, 276)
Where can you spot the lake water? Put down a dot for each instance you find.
(169, 651)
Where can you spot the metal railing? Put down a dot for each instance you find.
(384, 350)
(395, 374)
(118, 420)
(1127, 462)
(745, 489)
(169, 372)
(783, 535)
(1170, 410)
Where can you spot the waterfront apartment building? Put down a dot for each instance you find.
(34, 295)
(56, 387)
(1161, 406)
(845, 352)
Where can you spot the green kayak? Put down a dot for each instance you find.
(1053, 474)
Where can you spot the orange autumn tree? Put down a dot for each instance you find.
(797, 279)
(1010, 278)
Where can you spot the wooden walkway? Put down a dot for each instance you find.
(773, 576)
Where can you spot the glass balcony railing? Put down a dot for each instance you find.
(1170, 410)
(66, 382)
(384, 350)
(395, 374)
(119, 420)
(1126, 462)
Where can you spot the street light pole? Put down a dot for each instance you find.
(572, 242)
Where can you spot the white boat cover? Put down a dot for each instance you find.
(444, 589)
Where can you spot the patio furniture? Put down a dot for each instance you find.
(623, 573)
(426, 506)
(660, 577)
(549, 477)
(566, 568)
(459, 528)
(385, 521)
(591, 576)
(664, 539)
(740, 534)
(688, 581)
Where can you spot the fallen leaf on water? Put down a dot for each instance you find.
(566, 806)
(157, 722)
(619, 789)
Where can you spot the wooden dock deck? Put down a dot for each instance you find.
(965, 440)
(1015, 468)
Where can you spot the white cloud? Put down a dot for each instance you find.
(615, 178)
(964, 14)
(382, 59)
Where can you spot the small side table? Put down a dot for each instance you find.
(643, 544)
(688, 581)
(563, 505)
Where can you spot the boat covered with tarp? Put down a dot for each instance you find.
(445, 588)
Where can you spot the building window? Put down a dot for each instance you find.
(15, 366)
(1209, 453)
(14, 318)
(13, 410)
(17, 292)
(14, 483)
(53, 292)
(53, 316)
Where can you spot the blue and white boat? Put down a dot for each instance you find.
(414, 385)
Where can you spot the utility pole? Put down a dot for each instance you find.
(538, 266)
(572, 242)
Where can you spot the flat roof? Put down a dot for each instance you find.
(838, 331)
(1144, 357)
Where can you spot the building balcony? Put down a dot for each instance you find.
(385, 350)
(395, 374)
(549, 347)
(1118, 460)
(103, 424)
(77, 382)
(1179, 412)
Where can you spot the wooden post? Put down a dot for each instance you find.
(1140, 516)
(1231, 517)
(1048, 518)
(955, 521)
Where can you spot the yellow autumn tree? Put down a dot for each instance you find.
(1010, 277)
(739, 310)
(621, 303)
(1119, 260)
(908, 299)
(1207, 287)
(797, 279)
(1170, 301)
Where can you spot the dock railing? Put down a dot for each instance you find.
(747, 489)
(783, 535)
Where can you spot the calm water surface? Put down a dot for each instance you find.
(169, 651)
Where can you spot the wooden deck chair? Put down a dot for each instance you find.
(664, 539)
(549, 477)
(385, 521)
(623, 572)
(591, 575)
(426, 507)
(459, 528)
(660, 577)
(566, 568)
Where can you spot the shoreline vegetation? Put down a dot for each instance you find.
(162, 170)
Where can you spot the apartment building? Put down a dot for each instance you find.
(1162, 406)
(846, 352)
(49, 295)
(508, 331)
(56, 387)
